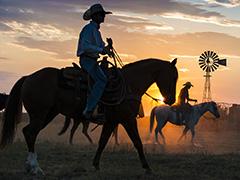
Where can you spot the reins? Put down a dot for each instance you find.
(118, 60)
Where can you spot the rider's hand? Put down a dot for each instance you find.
(110, 42)
(107, 50)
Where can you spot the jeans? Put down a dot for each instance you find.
(100, 80)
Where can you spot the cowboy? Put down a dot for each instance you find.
(183, 101)
(90, 45)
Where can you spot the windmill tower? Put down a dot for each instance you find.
(209, 62)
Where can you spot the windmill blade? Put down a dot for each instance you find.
(202, 66)
(208, 53)
(215, 60)
(201, 60)
(205, 53)
(211, 54)
(201, 63)
(214, 66)
(222, 62)
(215, 56)
(202, 56)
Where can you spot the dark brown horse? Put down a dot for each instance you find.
(43, 99)
(3, 101)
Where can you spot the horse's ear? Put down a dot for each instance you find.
(174, 62)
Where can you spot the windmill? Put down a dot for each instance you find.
(209, 62)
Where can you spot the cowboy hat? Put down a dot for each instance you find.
(188, 84)
(96, 8)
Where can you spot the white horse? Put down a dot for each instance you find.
(166, 114)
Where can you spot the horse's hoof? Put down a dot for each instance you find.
(96, 166)
(148, 171)
(38, 171)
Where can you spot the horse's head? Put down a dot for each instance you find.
(166, 82)
(212, 107)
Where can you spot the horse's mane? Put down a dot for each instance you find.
(143, 62)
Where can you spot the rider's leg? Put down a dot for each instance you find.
(100, 81)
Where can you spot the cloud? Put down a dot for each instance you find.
(230, 56)
(183, 56)
(38, 31)
(59, 49)
(67, 14)
(183, 70)
(225, 3)
(217, 20)
(7, 80)
(4, 58)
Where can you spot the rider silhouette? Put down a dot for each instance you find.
(90, 45)
(183, 101)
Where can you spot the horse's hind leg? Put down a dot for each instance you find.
(107, 130)
(183, 133)
(85, 131)
(132, 131)
(76, 123)
(115, 134)
(66, 125)
(158, 129)
(30, 133)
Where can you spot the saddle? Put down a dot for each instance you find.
(76, 79)
(182, 112)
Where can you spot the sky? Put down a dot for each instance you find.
(36, 34)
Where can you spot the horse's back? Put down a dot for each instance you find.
(163, 110)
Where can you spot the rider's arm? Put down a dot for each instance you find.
(188, 98)
(90, 42)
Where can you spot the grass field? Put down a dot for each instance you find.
(218, 158)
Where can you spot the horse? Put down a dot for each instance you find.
(166, 114)
(3, 101)
(43, 99)
(76, 123)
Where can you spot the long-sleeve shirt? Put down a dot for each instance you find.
(184, 96)
(90, 41)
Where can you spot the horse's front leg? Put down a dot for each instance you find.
(76, 123)
(193, 135)
(183, 133)
(107, 130)
(85, 131)
(132, 131)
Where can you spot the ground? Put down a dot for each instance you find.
(218, 158)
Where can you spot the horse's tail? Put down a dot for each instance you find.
(152, 115)
(12, 114)
(66, 125)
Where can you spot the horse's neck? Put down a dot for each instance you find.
(201, 108)
(140, 79)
